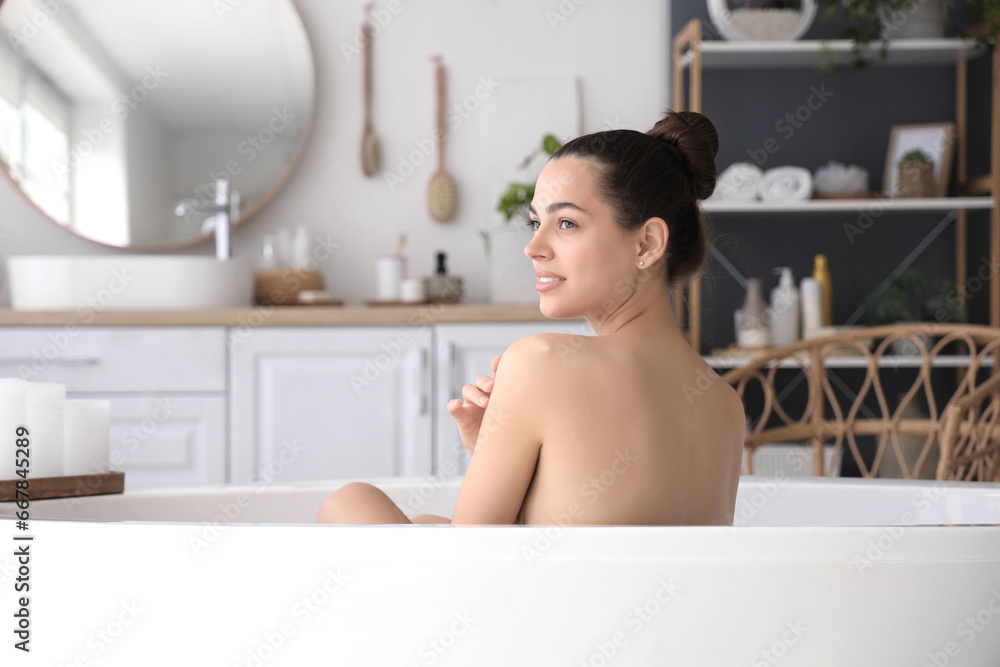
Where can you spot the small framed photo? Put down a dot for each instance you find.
(935, 139)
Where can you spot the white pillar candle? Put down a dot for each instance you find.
(13, 410)
(88, 432)
(46, 420)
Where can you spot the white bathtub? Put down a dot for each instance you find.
(816, 572)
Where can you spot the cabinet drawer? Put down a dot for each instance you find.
(96, 359)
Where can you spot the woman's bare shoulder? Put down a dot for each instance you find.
(732, 409)
(547, 353)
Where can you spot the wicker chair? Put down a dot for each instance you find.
(965, 431)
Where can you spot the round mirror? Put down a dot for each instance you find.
(112, 112)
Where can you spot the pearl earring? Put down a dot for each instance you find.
(641, 263)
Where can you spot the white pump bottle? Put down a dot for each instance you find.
(784, 309)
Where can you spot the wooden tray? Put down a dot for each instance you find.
(66, 487)
(332, 303)
(397, 303)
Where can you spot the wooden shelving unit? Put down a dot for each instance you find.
(690, 53)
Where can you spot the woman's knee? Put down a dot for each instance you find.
(356, 490)
(348, 504)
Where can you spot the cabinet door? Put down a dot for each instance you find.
(330, 403)
(463, 352)
(167, 440)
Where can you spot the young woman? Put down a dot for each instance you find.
(629, 426)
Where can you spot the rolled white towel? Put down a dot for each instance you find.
(785, 184)
(738, 183)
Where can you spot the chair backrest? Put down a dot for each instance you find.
(959, 439)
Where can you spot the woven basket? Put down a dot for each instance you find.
(790, 459)
(916, 179)
(281, 287)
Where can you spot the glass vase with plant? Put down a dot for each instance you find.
(516, 199)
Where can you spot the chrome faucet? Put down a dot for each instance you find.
(226, 210)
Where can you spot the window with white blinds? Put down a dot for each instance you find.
(34, 136)
(10, 117)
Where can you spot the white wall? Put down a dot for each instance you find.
(616, 49)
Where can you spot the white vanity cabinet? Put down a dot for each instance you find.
(313, 403)
(195, 405)
(166, 386)
(463, 352)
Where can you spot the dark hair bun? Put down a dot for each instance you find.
(695, 137)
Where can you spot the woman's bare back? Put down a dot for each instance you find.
(637, 434)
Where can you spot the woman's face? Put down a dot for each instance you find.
(577, 241)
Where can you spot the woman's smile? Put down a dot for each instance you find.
(547, 280)
(545, 284)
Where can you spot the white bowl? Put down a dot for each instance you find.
(128, 282)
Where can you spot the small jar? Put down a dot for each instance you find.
(413, 290)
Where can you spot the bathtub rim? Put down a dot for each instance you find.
(453, 482)
(769, 546)
(441, 481)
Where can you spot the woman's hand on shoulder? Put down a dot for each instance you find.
(469, 410)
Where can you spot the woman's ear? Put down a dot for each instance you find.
(653, 237)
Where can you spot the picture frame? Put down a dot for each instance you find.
(935, 139)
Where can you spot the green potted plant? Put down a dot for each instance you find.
(867, 21)
(916, 174)
(913, 296)
(916, 155)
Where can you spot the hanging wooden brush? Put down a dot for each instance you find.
(370, 154)
(441, 191)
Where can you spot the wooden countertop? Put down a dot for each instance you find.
(273, 316)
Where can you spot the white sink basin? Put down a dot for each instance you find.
(128, 282)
